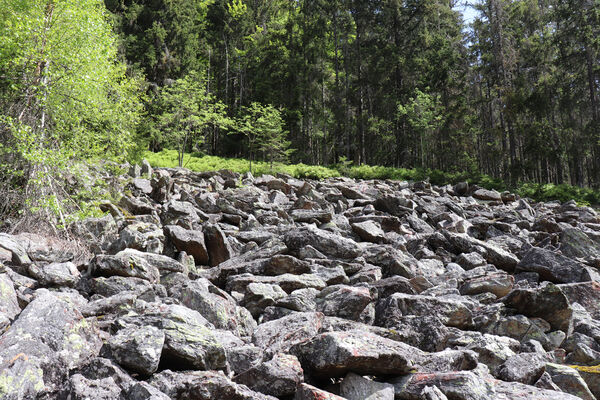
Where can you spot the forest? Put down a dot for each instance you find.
(512, 92)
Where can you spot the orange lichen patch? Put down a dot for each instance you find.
(594, 369)
(20, 355)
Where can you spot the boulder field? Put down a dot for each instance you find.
(223, 286)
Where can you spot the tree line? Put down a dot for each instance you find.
(513, 93)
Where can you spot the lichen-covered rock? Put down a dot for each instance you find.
(9, 306)
(547, 302)
(450, 311)
(555, 268)
(334, 354)
(569, 381)
(189, 338)
(36, 352)
(345, 301)
(277, 377)
(356, 387)
(326, 242)
(55, 274)
(202, 385)
(283, 333)
(138, 349)
(82, 388)
(217, 307)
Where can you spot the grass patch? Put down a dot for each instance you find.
(537, 192)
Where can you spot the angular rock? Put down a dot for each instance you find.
(202, 385)
(525, 368)
(260, 296)
(369, 231)
(308, 392)
(49, 338)
(356, 387)
(278, 377)
(9, 306)
(12, 244)
(547, 302)
(554, 267)
(217, 307)
(334, 354)
(55, 274)
(499, 284)
(301, 215)
(281, 334)
(449, 311)
(569, 381)
(190, 241)
(287, 282)
(326, 242)
(494, 254)
(144, 391)
(344, 301)
(217, 245)
(138, 349)
(189, 339)
(82, 388)
(484, 194)
(283, 264)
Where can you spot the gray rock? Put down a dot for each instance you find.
(285, 264)
(202, 385)
(281, 334)
(369, 231)
(217, 245)
(278, 377)
(55, 274)
(499, 284)
(325, 242)
(138, 349)
(356, 387)
(145, 391)
(468, 385)
(36, 352)
(344, 301)
(569, 381)
(82, 388)
(334, 354)
(554, 267)
(259, 296)
(450, 311)
(300, 215)
(287, 282)
(9, 306)
(190, 241)
(12, 244)
(547, 302)
(146, 169)
(217, 307)
(308, 392)
(190, 340)
(484, 194)
(525, 368)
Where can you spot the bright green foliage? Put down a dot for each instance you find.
(424, 115)
(537, 192)
(63, 95)
(262, 126)
(188, 112)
